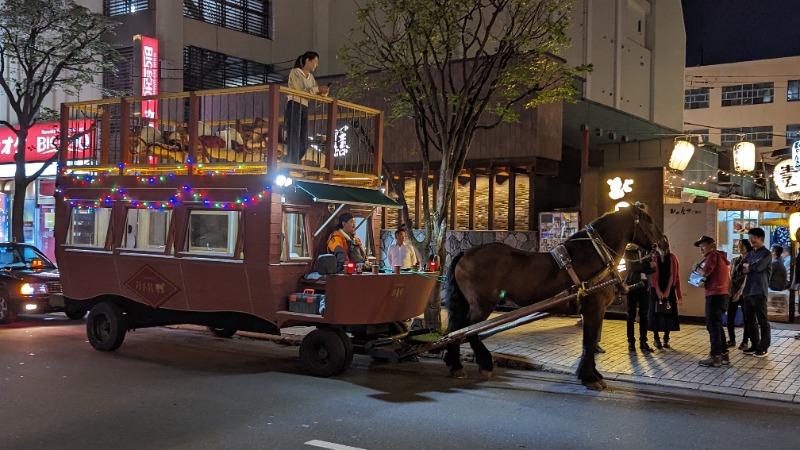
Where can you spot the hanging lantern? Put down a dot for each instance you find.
(744, 157)
(794, 224)
(681, 155)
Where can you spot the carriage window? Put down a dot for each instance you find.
(212, 232)
(146, 229)
(88, 226)
(294, 244)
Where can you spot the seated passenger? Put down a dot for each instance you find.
(344, 244)
(402, 253)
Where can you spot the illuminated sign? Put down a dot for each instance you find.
(787, 180)
(149, 76)
(796, 154)
(42, 141)
(340, 146)
(619, 188)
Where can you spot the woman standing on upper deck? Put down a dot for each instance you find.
(296, 117)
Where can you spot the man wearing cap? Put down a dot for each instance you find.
(715, 267)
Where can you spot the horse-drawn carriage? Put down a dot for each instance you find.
(150, 242)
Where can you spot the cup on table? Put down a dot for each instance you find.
(375, 269)
(396, 269)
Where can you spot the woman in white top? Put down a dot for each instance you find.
(296, 117)
(402, 253)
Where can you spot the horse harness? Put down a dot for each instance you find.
(564, 261)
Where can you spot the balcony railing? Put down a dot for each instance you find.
(232, 131)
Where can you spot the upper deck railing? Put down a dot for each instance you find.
(234, 131)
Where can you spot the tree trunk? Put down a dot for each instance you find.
(20, 185)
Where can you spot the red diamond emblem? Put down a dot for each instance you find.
(151, 286)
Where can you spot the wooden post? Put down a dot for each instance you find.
(63, 138)
(105, 134)
(377, 164)
(194, 117)
(532, 220)
(491, 200)
(473, 183)
(512, 198)
(329, 141)
(273, 118)
(418, 201)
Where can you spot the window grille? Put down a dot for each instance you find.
(204, 69)
(748, 94)
(248, 16)
(793, 91)
(121, 83)
(760, 136)
(113, 8)
(695, 98)
(792, 133)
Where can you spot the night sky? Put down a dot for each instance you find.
(724, 31)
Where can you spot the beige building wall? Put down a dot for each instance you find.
(637, 50)
(777, 114)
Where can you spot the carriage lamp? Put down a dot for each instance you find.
(433, 263)
(31, 289)
(351, 267)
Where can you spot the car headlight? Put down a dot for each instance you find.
(33, 289)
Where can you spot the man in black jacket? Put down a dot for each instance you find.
(637, 264)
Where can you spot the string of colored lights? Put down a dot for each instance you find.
(183, 194)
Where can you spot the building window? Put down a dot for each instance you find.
(748, 94)
(792, 133)
(695, 98)
(760, 136)
(113, 8)
(204, 69)
(793, 91)
(89, 226)
(248, 16)
(120, 84)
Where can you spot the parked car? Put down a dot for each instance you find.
(29, 283)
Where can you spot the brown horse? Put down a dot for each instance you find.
(479, 278)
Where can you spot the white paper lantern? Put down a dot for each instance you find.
(681, 155)
(794, 224)
(744, 157)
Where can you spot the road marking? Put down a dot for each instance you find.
(331, 445)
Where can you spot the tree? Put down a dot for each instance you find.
(46, 45)
(455, 67)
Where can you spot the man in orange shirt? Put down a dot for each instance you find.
(344, 244)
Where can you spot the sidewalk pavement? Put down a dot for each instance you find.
(553, 344)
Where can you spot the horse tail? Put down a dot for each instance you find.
(455, 302)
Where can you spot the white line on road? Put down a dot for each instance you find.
(331, 445)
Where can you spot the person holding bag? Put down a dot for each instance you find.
(663, 311)
(715, 271)
(737, 288)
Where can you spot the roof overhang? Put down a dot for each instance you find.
(334, 193)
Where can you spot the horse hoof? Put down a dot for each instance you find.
(595, 385)
(602, 383)
(459, 374)
(488, 374)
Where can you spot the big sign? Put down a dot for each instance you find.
(43, 139)
(787, 180)
(149, 76)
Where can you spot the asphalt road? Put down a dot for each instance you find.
(167, 388)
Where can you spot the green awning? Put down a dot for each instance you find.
(332, 193)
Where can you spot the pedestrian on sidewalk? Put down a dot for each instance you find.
(796, 278)
(663, 311)
(638, 267)
(715, 268)
(757, 266)
(737, 288)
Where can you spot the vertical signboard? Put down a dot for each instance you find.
(149, 76)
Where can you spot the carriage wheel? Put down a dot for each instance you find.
(323, 353)
(348, 349)
(223, 332)
(106, 327)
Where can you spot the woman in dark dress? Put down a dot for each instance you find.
(663, 312)
(737, 285)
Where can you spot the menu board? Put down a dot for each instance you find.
(555, 228)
